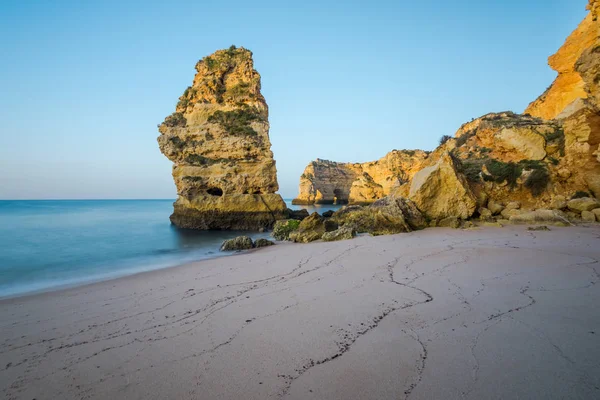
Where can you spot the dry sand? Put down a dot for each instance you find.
(436, 314)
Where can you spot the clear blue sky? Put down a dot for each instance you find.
(83, 84)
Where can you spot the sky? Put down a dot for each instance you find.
(83, 84)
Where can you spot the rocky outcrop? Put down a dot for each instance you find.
(583, 204)
(329, 182)
(385, 216)
(244, 243)
(569, 85)
(309, 230)
(441, 191)
(218, 141)
(238, 243)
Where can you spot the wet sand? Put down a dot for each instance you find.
(435, 314)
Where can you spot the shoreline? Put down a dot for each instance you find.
(218, 254)
(67, 288)
(437, 313)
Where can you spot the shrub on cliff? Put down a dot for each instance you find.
(471, 168)
(175, 119)
(580, 194)
(501, 171)
(557, 137)
(237, 122)
(444, 139)
(537, 181)
(462, 139)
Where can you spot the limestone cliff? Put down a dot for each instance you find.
(218, 141)
(569, 85)
(328, 182)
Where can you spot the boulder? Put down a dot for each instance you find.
(513, 205)
(309, 230)
(596, 212)
(386, 216)
(328, 214)
(559, 202)
(238, 243)
(588, 216)
(440, 191)
(538, 228)
(583, 204)
(283, 228)
(484, 214)
(468, 225)
(538, 216)
(495, 208)
(508, 213)
(449, 222)
(343, 233)
(263, 243)
(330, 225)
(297, 214)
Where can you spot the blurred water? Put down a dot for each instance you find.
(49, 244)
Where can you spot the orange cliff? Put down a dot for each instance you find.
(569, 84)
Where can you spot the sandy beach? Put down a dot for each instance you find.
(439, 313)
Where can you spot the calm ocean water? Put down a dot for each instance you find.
(50, 244)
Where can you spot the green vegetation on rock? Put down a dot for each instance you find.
(501, 171)
(444, 139)
(237, 122)
(462, 139)
(283, 228)
(558, 137)
(537, 181)
(175, 119)
(580, 194)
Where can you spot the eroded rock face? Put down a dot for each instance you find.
(440, 191)
(328, 182)
(569, 85)
(507, 136)
(218, 141)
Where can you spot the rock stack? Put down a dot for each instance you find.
(218, 141)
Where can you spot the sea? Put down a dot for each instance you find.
(52, 244)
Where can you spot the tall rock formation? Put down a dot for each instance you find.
(218, 141)
(328, 182)
(574, 101)
(569, 85)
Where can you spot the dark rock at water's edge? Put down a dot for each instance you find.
(189, 218)
(297, 214)
(263, 243)
(244, 243)
(328, 214)
(238, 243)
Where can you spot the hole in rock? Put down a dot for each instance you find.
(215, 192)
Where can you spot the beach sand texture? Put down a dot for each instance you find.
(435, 314)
